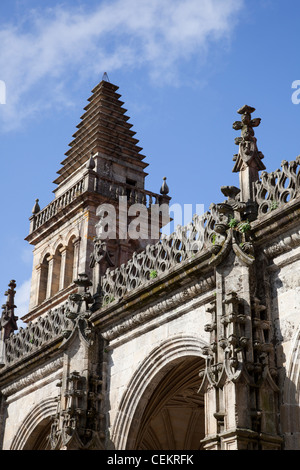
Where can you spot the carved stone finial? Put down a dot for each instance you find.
(101, 254)
(248, 152)
(36, 208)
(164, 188)
(8, 320)
(248, 160)
(79, 305)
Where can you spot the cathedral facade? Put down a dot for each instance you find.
(138, 341)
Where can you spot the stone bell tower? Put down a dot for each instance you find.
(103, 172)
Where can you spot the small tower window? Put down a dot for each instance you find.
(43, 279)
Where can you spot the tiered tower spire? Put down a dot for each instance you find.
(104, 129)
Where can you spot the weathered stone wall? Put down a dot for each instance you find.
(129, 352)
(285, 293)
(30, 400)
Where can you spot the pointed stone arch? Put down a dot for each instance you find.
(174, 353)
(34, 430)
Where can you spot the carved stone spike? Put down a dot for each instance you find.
(8, 320)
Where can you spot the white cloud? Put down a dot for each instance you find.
(51, 44)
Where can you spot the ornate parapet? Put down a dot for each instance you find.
(37, 335)
(207, 234)
(156, 259)
(275, 189)
(40, 217)
(56, 327)
(105, 186)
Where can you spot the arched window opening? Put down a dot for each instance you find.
(44, 275)
(70, 263)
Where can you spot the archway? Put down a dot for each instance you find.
(39, 439)
(174, 416)
(161, 408)
(35, 429)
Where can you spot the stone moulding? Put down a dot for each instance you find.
(124, 430)
(33, 378)
(144, 316)
(282, 245)
(44, 410)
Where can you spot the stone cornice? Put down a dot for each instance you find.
(42, 373)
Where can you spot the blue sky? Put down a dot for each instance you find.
(183, 67)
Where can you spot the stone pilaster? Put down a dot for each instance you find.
(239, 381)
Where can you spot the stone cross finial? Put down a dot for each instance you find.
(8, 320)
(248, 160)
(246, 124)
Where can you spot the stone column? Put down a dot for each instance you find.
(76, 246)
(38, 285)
(63, 253)
(50, 261)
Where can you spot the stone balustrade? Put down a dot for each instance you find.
(108, 188)
(55, 206)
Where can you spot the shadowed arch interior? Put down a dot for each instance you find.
(174, 416)
(145, 385)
